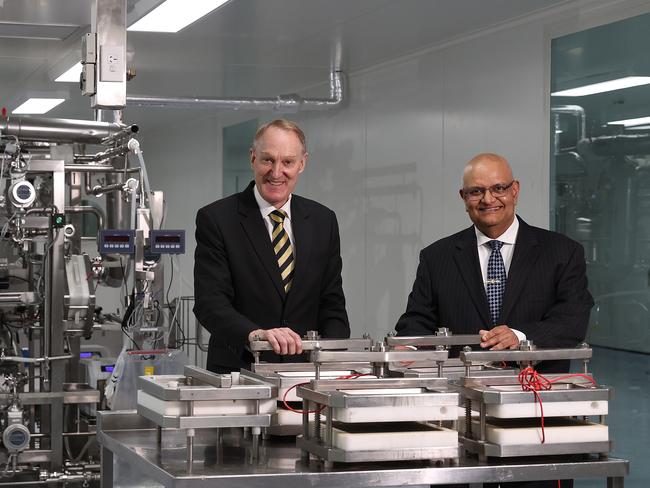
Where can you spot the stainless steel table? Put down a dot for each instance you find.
(133, 440)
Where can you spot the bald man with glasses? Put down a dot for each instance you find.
(500, 278)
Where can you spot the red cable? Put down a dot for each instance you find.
(585, 376)
(296, 410)
(531, 380)
(352, 376)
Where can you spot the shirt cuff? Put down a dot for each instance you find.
(520, 335)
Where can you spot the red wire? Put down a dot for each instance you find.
(531, 380)
(352, 376)
(585, 376)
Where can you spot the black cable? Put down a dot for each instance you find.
(137, 346)
(156, 305)
(172, 310)
(125, 320)
(126, 288)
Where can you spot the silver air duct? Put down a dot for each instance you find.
(62, 130)
(281, 103)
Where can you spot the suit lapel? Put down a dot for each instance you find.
(303, 230)
(255, 230)
(466, 258)
(526, 253)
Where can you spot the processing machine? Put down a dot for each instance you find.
(199, 399)
(530, 414)
(287, 376)
(77, 219)
(375, 417)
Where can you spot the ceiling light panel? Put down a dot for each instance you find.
(605, 86)
(631, 122)
(174, 15)
(38, 105)
(72, 75)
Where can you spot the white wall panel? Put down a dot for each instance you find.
(494, 95)
(389, 163)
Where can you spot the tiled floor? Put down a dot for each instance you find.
(629, 411)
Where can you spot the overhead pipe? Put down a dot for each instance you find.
(281, 103)
(63, 130)
(621, 144)
(98, 168)
(102, 156)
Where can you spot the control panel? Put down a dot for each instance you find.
(116, 241)
(167, 242)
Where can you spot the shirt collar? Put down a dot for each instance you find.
(266, 208)
(508, 237)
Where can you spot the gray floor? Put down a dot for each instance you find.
(629, 412)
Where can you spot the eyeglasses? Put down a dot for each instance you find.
(476, 193)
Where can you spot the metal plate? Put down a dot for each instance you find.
(204, 421)
(279, 464)
(340, 456)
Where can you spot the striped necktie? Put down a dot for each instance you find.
(282, 248)
(496, 280)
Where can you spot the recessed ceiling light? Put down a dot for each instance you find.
(173, 15)
(631, 122)
(605, 86)
(71, 75)
(38, 105)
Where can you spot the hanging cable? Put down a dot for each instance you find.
(531, 380)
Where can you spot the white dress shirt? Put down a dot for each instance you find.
(266, 208)
(509, 238)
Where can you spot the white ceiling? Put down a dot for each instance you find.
(245, 48)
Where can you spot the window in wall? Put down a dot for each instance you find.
(600, 170)
(237, 140)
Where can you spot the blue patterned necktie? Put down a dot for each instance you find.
(496, 280)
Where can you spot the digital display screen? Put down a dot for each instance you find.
(108, 368)
(118, 238)
(85, 355)
(169, 239)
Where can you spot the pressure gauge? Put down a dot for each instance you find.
(16, 438)
(22, 194)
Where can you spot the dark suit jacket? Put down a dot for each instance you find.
(237, 283)
(546, 294)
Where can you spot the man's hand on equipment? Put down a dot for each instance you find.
(406, 364)
(499, 338)
(282, 339)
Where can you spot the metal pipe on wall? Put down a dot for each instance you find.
(281, 103)
(99, 168)
(88, 209)
(621, 144)
(102, 156)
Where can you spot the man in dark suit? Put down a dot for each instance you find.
(267, 262)
(543, 294)
(501, 278)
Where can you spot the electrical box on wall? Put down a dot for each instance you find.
(89, 48)
(111, 64)
(109, 26)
